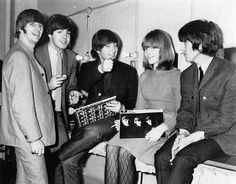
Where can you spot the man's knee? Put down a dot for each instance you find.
(69, 165)
(93, 131)
(98, 131)
(184, 162)
(88, 131)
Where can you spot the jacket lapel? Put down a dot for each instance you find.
(31, 57)
(46, 62)
(35, 64)
(210, 71)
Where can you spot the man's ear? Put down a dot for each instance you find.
(22, 30)
(200, 48)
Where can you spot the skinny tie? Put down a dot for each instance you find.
(201, 75)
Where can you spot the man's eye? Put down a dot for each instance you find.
(32, 23)
(41, 26)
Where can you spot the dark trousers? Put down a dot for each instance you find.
(83, 139)
(61, 133)
(54, 172)
(182, 168)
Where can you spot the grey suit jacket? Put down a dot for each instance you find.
(211, 106)
(27, 113)
(69, 66)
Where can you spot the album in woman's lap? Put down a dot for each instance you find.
(136, 123)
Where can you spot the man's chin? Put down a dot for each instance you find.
(62, 47)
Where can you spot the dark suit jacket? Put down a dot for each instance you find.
(69, 65)
(121, 82)
(211, 107)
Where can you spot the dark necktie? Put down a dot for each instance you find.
(201, 75)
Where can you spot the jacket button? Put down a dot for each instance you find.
(42, 74)
(204, 98)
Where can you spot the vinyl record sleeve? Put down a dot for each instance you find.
(93, 112)
(136, 123)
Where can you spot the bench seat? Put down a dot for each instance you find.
(219, 171)
(228, 163)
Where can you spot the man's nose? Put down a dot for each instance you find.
(64, 36)
(113, 48)
(39, 27)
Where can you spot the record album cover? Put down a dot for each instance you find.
(136, 123)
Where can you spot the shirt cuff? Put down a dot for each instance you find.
(184, 132)
(197, 136)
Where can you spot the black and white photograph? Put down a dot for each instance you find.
(118, 92)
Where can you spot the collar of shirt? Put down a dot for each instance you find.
(204, 65)
(53, 55)
(53, 50)
(26, 46)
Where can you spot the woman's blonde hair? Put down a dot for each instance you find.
(159, 39)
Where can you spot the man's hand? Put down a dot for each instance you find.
(56, 81)
(116, 125)
(107, 65)
(194, 137)
(176, 145)
(74, 97)
(156, 133)
(37, 147)
(182, 141)
(197, 136)
(115, 106)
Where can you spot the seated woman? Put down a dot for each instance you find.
(159, 88)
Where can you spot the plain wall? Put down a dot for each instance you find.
(131, 19)
(2, 23)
